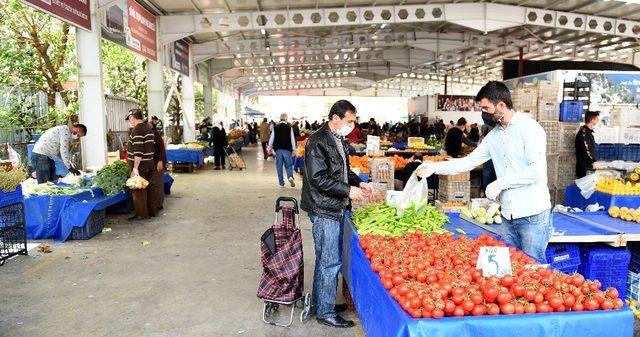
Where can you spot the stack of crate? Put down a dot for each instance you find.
(454, 188)
(382, 172)
(539, 99)
(525, 99)
(561, 157)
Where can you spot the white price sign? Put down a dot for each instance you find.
(373, 143)
(494, 261)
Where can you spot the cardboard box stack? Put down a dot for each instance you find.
(454, 188)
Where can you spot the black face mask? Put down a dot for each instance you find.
(488, 119)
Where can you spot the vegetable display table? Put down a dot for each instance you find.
(185, 156)
(380, 315)
(55, 216)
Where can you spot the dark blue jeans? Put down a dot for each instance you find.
(327, 239)
(530, 234)
(45, 167)
(283, 157)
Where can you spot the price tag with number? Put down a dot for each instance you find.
(494, 261)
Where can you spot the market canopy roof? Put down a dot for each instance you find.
(389, 46)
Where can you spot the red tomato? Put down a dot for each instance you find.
(530, 308)
(387, 284)
(458, 312)
(437, 314)
(504, 297)
(507, 308)
(539, 298)
(542, 307)
(449, 306)
(577, 307)
(403, 289)
(569, 300)
(529, 295)
(476, 298)
(493, 309)
(555, 302)
(490, 294)
(478, 310)
(426, 314)
(617, 303)
(590, 304)
(519, 309)
(415, 303)
(457, 299)
(397, 279)
(518, 290)
(421, 277)
(577, 280)
(506, 281)
(411, 294)
(467, 305)
(607, 305)
(416, 313)
(612, 293)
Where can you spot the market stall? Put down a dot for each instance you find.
(381, 315)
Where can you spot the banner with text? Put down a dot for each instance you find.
(178, 57)
(130, 25)
(75, 12)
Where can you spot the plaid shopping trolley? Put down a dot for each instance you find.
(282, 281)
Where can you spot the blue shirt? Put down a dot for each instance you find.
(518, 152)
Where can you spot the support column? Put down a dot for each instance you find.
(155, 86)
(189, 106)
(207, 89)
(90, 93)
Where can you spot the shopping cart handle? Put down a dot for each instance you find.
(287, 199)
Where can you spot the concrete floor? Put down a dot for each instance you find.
(194, 271)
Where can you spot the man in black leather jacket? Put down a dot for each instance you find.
(327, 187)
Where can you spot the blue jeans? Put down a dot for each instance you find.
(327, 239)
(530, 234)
(284, 157)
(45, 167)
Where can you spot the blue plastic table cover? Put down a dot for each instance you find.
(61, 170)
(208, 152)
(381, 316)
(185, 156)
(573, 198)
(602, 217)
(54, 216)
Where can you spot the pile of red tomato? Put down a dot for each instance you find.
(435, 276)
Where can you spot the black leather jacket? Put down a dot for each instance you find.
(324, 193)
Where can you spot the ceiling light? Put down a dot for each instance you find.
(262, 31)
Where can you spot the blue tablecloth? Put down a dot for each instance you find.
(380, 315)
(208, 152)
(185, 156)
(54, 216)
(61, 170)
(573, 198)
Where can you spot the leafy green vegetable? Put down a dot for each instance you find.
(51, 189)
(112, 178)
(384, 219)
(9, 180)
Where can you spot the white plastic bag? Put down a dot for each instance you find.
(414, 191)
(587, 185)
(14, 156)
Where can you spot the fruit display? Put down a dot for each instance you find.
(112, 178)
(384, 219)
(399, 162)
(634, 176)
(421, 146)
(236, 134)
(617, 187)
(436, 158)
(137, 183)
(481, 215)
(633, 305)
(361, 163)
(435, 275)
(195, 146)
(385, 144)
(624, 213)
(434, 143)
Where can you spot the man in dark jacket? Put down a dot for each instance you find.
(586, 144)
(327, 187)
(455, 138)
(218, 142)
(283, 143)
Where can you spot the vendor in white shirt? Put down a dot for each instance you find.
(517, 147)
(55, 143)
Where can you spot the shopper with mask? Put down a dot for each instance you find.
(327, 187)
(517, 147)
(55, 143)
(586, 144)
(283, 142)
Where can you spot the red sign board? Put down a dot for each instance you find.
(75, 12)
(130, 25)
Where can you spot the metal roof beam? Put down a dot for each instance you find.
(483, 17)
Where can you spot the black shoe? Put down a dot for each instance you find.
(336, 322)
(153, 215)
(340, 307)
(137, 218)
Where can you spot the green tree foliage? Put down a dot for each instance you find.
(125, 73)
(36, 51)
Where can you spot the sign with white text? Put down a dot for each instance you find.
(75, 12)
(131, 26)
(494, 261)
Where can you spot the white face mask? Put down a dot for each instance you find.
(345, 130)
(74, 136)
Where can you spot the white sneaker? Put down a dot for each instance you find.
(292, 182)
(281, 186)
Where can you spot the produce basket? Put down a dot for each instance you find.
(571, 111)
(564, 257)
(607, 264)
(630, 152)
(94, 225)
(13, 232)
(10, 198)
(633, 286)
(608, 151)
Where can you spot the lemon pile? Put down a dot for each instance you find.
(633, 304)
(624, 213)
(617, 187)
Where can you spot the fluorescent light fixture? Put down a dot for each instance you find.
(384, 25)
(262, 31)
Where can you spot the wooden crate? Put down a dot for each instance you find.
(552, 170)
(455, 177)
(454, 191)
